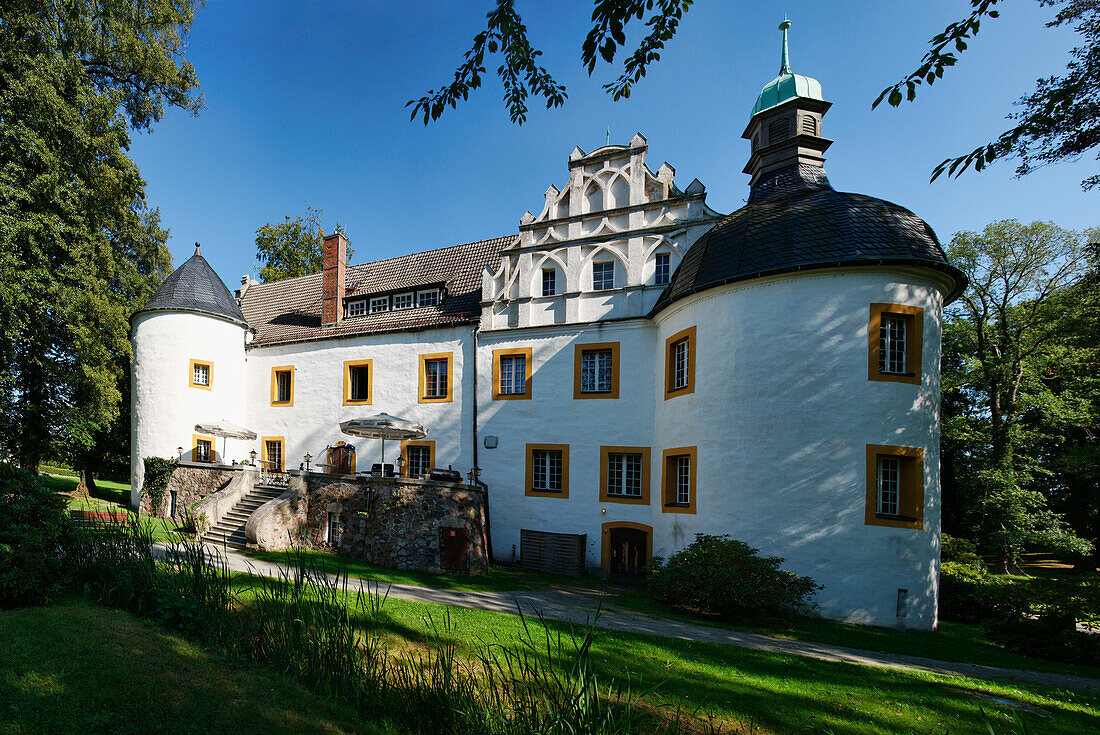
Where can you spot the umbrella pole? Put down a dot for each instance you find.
(383, 456)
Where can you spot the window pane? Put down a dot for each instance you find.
(419, 459)
(357, 308)
(360, 382)
(403, 301)
(683, 479)
(381, 303)
(274, 456)
(282, 379)
(202, 375)
(891, 356)
(428, 298)
(624, 475)
(680, 356)
(596, 371)
(546, 470)
(662, 270)
(889, 486)
(435, 378)
(549, 282)
(603, 275)
(513, 374)
(202, 451)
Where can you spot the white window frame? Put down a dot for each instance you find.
(513, 375)
(357, 307)
(204, 448)
(379, 304)
(333, 528)
(547, 465)
(624, 475)
(204, 370)
(427, 298)
(681, 355)
(435, 381)
(419, 458)
(404, 300)
(597, 371)
(363, 383)
(683, 479)
(662, 269)
(549, 281)
(893, 332)
(888, 486)
(600, 283)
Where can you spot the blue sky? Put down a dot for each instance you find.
(305, 106)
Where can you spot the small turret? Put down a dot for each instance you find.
(785, 126)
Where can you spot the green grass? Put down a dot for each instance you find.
(499, 579)
(109, 496)
(772, 692)
(957, 642)
(78, 668)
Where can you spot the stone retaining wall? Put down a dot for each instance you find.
(191, 484)
(396, 522)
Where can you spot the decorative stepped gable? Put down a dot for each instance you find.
(613, 209)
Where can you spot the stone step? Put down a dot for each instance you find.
(237, 515)
(225, 532)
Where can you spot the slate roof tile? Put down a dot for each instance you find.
(194, 286)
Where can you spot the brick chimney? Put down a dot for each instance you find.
(332, 294)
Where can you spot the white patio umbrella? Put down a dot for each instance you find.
(226, 430)
(383, 426)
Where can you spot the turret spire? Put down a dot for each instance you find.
(785, 63)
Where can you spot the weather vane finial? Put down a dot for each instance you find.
(785, 64)
(608, 135)
(196, 248)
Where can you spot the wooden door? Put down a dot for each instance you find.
(628, 557)
(341, 459)
(454, 549)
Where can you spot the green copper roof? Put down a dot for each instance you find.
(787, 85)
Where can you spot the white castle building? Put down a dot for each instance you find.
(628, 370)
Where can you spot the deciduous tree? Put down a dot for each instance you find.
(293, 247)
(79, 246)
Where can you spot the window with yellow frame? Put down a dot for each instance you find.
(512, 373)
(200, 374)
(680, 360)
(436, 378)
(358, 382)
(282, 385)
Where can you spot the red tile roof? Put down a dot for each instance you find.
(290, 310)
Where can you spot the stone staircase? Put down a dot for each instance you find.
(229, 531)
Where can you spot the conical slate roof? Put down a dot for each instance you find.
(195, 287)
(795, 221)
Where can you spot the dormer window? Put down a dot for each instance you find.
(427, 298)
(380, 303)
(403, 301)
(603, 275)
(357, 308)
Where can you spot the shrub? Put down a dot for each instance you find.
(158, 471)
(1045, 638)
(34, 526)
(721, 576)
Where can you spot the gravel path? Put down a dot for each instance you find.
(578, 604)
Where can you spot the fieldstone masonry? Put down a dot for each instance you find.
(396, 522)
(191, 484)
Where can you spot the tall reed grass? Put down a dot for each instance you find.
(332, 636)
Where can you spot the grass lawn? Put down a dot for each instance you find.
(77, 668)
(959, 642)
(770, 692)
(499, 578)
(109, 496)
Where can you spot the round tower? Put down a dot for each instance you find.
(188, 367)
(799, 404)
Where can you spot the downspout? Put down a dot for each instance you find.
(486, 531)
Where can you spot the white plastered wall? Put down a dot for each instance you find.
(164, 408)
(782, 413)
(313, 422)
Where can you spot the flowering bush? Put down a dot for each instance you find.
(721, 576)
